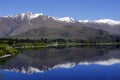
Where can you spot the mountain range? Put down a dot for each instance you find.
(39, 25)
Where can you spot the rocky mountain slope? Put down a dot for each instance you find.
(43, 26)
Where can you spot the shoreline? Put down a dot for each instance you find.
(5, 56)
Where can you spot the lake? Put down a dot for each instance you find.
(63, 63)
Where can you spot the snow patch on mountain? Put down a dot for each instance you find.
(108, 21)
(28, 15)
(101, 21)
(67, 19)
(85, 21)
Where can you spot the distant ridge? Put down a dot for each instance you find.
(31, 15)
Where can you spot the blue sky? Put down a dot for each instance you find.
(78, 9)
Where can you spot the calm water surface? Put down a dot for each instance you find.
(63, 63)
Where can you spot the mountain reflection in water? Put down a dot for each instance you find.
(79, 72)
(61, 63)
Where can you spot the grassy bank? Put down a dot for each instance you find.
(6, 49)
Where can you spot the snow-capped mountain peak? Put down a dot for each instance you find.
(101, 21)
(28, 15)
(85, 21)
(108, 21)
(67, 19)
